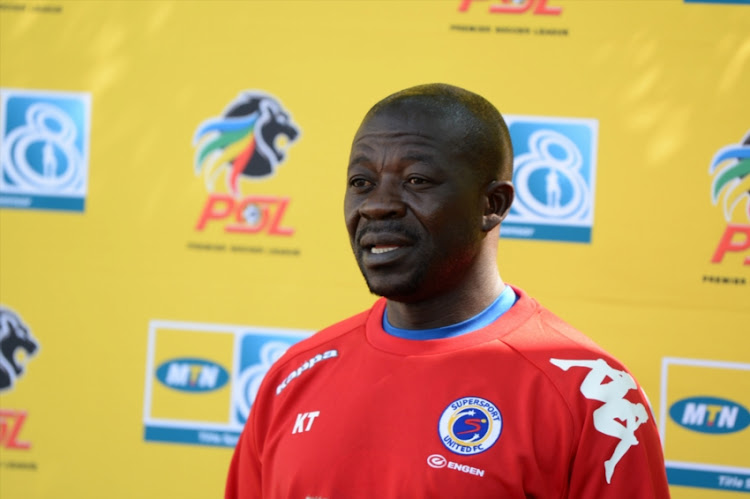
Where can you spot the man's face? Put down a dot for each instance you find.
(413, 207)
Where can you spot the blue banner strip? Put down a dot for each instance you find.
(709, 479)
(28, 202)
(543, 232)
(737, 2)
(191, 436)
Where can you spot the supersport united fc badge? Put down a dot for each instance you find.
(470, 425)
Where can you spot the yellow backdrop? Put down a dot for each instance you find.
(146, 282)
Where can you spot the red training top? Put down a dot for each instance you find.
(525, 407)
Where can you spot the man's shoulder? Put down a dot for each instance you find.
(324, 339)
(336, 330)
(542, 332)
(545, 338)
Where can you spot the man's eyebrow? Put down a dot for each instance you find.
(360, 159)
(420, 157)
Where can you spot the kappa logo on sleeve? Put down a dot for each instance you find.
(308, 364)
(618, 417)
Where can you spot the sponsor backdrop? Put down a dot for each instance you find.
(171, 185)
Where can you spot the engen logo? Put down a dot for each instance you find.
(537, 7)
(439, 462)
(710, 415)
(730, 189)
(247, 142)
(192, 375)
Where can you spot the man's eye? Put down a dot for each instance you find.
(416, 181)
(359, 182)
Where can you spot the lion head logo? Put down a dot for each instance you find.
(245, 141)
(14, 336)
(731, 178)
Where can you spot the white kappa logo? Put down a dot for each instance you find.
(615, 409)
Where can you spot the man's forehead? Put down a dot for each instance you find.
(413, 124)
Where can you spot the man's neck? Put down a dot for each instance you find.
(446, 309)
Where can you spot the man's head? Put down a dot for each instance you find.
(428, 185)
(478, 129)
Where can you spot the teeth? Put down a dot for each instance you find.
(385, 249)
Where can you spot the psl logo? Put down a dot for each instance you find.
(515, 7)
(246, 142)
(11, 424)
(16, 342)
(730, 188)
(618, 417)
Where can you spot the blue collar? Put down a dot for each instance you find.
(484, 318)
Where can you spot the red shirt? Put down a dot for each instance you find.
(525, 407)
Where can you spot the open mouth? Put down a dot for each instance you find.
(378, 250)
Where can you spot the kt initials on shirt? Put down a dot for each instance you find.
(300, 426)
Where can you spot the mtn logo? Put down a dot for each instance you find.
(192, 375)
(710, 415)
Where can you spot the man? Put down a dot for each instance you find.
(454, 385)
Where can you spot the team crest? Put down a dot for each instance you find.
(470, 425)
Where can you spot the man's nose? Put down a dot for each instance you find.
(383, 201)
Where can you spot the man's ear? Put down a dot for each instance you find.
(498, 198)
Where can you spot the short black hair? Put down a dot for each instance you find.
(481, 130)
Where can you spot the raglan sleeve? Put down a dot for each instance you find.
(244, 477)
(619, 452)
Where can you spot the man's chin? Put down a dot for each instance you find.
(401, 286)
(400, 292)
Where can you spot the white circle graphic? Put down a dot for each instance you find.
(437, 461)
(548, 204)
(57, 165)
(250, 378)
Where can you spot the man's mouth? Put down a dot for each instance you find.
(377, 250)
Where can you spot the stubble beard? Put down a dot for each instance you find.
(403, 290)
